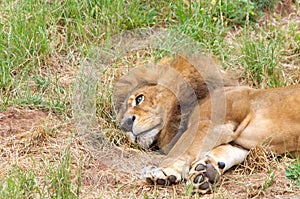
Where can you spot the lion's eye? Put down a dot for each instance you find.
(139, 99)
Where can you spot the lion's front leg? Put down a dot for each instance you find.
(175, 167)
(204, 173)
(172, 172)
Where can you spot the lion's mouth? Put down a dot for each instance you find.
(145, 138)
(143, 133)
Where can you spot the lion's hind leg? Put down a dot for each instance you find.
(207, 171)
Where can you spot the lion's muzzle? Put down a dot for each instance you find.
(127, 124)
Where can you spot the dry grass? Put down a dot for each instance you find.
(39, 141)
(34, 142)
(113, 172)
(262, 175)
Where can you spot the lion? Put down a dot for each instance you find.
(205, 123)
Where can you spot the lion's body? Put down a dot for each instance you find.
(207, 131)
(273, 114)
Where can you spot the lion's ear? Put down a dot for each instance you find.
(136, 78)
(181, 62)
(165, 61)
(176, 62)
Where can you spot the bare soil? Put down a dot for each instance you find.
(29, 137)
(113, 172)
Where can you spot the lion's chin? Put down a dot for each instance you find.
(144, 139)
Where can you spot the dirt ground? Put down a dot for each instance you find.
(29, 136)
(33, 139)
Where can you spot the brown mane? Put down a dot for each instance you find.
(184, 76)
(190, 79)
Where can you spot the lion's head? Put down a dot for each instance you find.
(147, 111)
(153, 103)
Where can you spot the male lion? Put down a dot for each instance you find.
(202, 120)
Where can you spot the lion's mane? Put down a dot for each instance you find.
(189, 78)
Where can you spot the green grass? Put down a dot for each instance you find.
(293, 172)
(260, 58)
(55, 183)
(19, 184)
(39, 37)
(43, 44)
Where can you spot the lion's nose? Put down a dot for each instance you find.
(127, 124)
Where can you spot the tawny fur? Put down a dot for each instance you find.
(179, 80)
(202, 119)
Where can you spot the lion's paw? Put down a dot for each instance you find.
(161, 176)
(203, 175)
